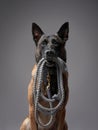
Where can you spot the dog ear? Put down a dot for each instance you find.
(64, 31)
(36, 32)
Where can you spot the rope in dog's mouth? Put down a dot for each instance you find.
(38, 94)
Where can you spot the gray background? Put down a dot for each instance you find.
(17, 57)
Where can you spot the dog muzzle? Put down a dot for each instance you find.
(50, 57)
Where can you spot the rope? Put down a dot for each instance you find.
(60, 66)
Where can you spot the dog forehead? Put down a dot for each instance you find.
(50, 37)
(54, 37)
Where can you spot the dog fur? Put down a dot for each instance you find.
(60, 124)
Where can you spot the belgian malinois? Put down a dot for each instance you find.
(49, 46)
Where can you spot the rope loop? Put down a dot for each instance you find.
(51, 111)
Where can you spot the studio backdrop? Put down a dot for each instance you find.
(17, 50)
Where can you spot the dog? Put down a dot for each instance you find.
(51, 46)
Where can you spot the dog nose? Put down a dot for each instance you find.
(50, 53)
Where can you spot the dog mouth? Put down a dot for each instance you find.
(50, 63)
(50, 58)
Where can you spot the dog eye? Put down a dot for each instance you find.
(44, 43)
(54, 42)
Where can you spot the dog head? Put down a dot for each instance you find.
(51, 46)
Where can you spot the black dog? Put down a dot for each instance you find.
(54, 43)
(49, 47)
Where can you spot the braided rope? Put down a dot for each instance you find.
(60, 64)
